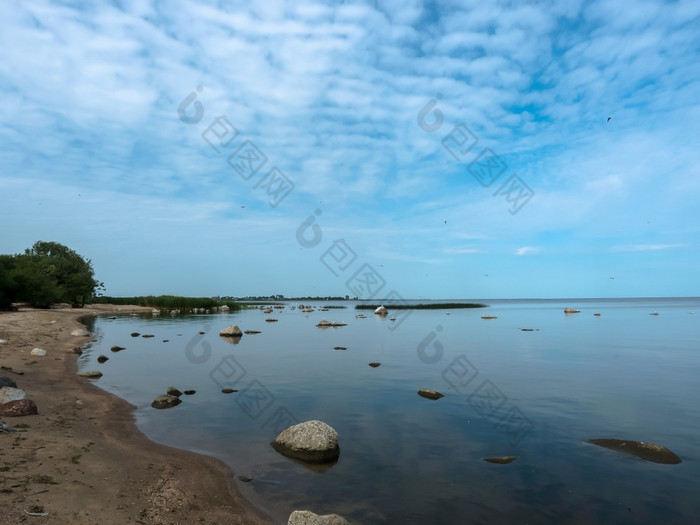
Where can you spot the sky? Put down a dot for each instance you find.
(394, 149)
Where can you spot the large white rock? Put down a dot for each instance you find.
(381, 310)
(306, 517)
(313, 441)
(38, 351)
(7, 394)
(80, 332)
(231, 331)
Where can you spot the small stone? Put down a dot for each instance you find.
(323, 324)
(135, 334)
(231, 331)
(190, 392)
(147, 336)
(6, 381)
(77, 350)
(20, 407)
(374, 364)
(270, 320)
(80, 332)
(312, 441)
(166, 401)
(252, 332)
(228, 390)
(38, 351)
(117, 348)
(5, 428)
(3, 341)
(172, 391)
(340, 348)
(91, 374)
(502, 459)
(430, 394)
(306, 517)
(102, 358)
(8, 393)
(201, 333)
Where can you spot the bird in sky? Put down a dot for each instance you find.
(609, 119)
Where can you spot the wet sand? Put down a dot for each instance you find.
(81, 459)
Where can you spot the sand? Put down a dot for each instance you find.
(81, 459)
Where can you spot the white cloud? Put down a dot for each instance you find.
(527, 250)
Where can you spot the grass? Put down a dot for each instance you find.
(168, 302)
(428, 306)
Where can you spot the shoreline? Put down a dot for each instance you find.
(82, 459)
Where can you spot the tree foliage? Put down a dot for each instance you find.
(47, 273)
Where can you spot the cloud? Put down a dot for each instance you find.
(646, 247)
(527, 250)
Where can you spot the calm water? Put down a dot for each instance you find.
(537, 395)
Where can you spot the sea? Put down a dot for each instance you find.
(530, 382)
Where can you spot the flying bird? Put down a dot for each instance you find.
(609, 119)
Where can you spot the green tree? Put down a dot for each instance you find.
(8, 286)
(50, 272)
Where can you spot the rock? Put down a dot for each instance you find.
(312, 441)
(270, 320)
(501, 459)
(91, 374)
(228, 390)
(252, 332)
(38, 351)
(374, 364)
(80, 332)
(8, 393)
(430, 394)
(340, 348)
(172, 391)
(3, 341)
(323, 323)
(5, 428)
(6, 381)
(381, 311)
(165, 402)
(135, 334)
(77, 350)
(102, 358)
(190, 392)
(231, 331)
(20, 407)
(306, 517)
(147, 336)
(646, 451)
(117, 348)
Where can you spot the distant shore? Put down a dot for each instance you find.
(82, 460)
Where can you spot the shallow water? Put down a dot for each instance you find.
(537, 395)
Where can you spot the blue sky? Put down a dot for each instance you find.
(440, 149)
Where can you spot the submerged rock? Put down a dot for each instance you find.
(19, 407)
(340, 348)
(91, 374)
(228, 390)
(374, 364)
(430, 394)
(165, 402)
(306, 517)
(190, 392)
(135, 334)
(116, 348)
(231, 331)
(102, 358)
(313, 441)
(646, 451)
(501, 459)
(251, 332)
(172, 391)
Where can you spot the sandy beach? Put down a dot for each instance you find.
(82, 460)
